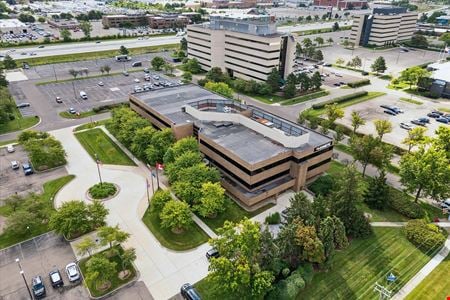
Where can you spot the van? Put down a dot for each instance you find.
(137, 64)
(83, 95)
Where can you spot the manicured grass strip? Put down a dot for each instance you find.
(369, 96)
(411, 101)
(436, 286)
(444, 109)
(307, 97)
(19, 123)
(84, 114)
(7, 142)
(50, 189)
(356, 269)
(95, 141)
(91, 125)
(115, 281)
(321, 30)
(192, 237)
(36, 61)
(233, 212)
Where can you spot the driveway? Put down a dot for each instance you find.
(163, 271)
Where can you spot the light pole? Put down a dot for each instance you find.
(98, 169)
(23, 276)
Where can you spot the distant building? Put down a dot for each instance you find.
(342, 4)
(438, 84)
(443, 20)
(12, 26)
(236, 3)
(64, 24)
(168, 21)
(120, 20)
(161, 21)
(385, 26)
(246, 46)
(259, 154)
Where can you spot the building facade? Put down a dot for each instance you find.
(162, 21)
(343, 4)
(245, 46)
(12, 26)
(259, 154)
(385, 26)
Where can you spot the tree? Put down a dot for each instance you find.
(382, 127)
(237, 271)
(418, 40)
(309, 245)
(141, 141)
(21, 222)
(74, 73)
(426, 172)
(65, 34)
(416, 137)
(377, 194)
(307, 42)
(318, 55)
(176, 215)
(71, 219)
(335, 26)
(273, 80)
(86, 246)
(168, 68)
(41, 20)
(212, 200)
(316, 80)
(160, 142)
(357, 120)
(157, 63)
(100, 270)
(215, 74)
(9, 63)
(187, 76)
(340, 61)
(379, 65)
(185, 160)
(300, 208)
(97, 213)
(159, 200)
(356, 62)
(298, 50)
(220, 88)
(333, 112)
(193, 66)
(123, 50)
(442, 140)
(107, 69)
(319, 40)
(183, 44)
(127, 257)
(112, 236)
(330, 40)
(370, 150)
(26, 18)
(413, 75)
(183, 146)
(86, 27)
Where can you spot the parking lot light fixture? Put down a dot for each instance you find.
(21, 272)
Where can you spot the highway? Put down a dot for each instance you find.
(82, 47)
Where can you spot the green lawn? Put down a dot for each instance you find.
(444, 109)
(91, 125)
(356, 269)
(436, 286)
(7, 142)
(84, 114)
(192, 237)
(116, 282)
(270, 99)
(233, 212)
(50, 189)
(19, 123)
(369, 96)
(409, 100)
(95, 141)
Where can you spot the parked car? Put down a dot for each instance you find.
(337, 74)
(27, 169)
(189, 292)
(397, 109)
(56, 279)
(418, 122)
(125, 73)
(101, 83)
(364, 73)
(72, 272)
(405, 126)
(23, 105)
(83, 95)
(38, 287)
(445, 204)
(433, 115)
(146, 70)
(137, 89)
(213, 252)
(58, 100)
(327, 65)
(437, 112)
(443, 120)
(386, 106)
(15, 165)
(424, 120)
(390, 112)
(72, 111)
(10, 149)
(156, 77)
(337, 84)
(137, 80)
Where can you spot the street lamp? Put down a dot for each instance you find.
(23, 276)
(98, 168)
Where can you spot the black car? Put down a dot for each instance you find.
(424, 120)
(213, 252)
(37, 285)
(433, 114)
(442, 120)
(390, 112)
(22, 105)
(386, 107)
(188, 292)
(364, 73)
(418, 122)
(437, 112)
(56, 279)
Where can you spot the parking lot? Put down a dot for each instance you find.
(12, 181)
(38, 256)
(115, 89)
(371, 110)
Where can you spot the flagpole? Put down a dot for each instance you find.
(151, 178)
(146, 188)
(157, 176)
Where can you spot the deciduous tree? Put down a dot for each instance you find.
(100, 270)
(379, 65)
(382, 127)
(176, 215)
(357, 121)
(212, 200)
(157, 63)
(86, 246)
(415, 137)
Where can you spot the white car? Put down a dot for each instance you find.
(101, 83)
(72, 272)
(406, 126)
(10, 149)
(15, 165)
(137, 80)
(445, 204)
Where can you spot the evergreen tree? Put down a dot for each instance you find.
(377, 193)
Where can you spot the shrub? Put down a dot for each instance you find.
(307, 272)
(400, 203)
(274, 218)
(287, 288)
(285, 272)
(359, 83)
(424, 236)
(323, 185)
(159, 199)
(102, 190)
(340, 99)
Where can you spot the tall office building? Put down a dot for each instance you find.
(385, 26)
(246, 46)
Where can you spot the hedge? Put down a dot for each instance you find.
(273, 219)
(340, 99)
(359, 83)
(424, 236)
(400, 203)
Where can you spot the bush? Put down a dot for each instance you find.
(159, 199)
(307, 272)
(102, 190)
(400, 203)
(287, 288)
(424, 236)
(359, 83)
(274, 218)
(323, 185)
(340, 99)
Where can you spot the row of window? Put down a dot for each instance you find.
(251, 48)
(263, 74)
(247, 40)
(251, 55)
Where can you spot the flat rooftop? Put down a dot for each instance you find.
(8, 23)
(441, 71)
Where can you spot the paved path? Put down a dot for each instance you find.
(163, 271)
(424, 272)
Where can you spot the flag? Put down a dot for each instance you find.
(159, 166)
(446, 49)
(148, 184)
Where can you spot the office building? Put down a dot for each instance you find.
(342, 4)
(12, 26)
(438, 84)
(259, 154)
(64, 24)
(161, 21)
(246, 46)
(385, 26)
(120, 20)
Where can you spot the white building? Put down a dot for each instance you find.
(12, 26)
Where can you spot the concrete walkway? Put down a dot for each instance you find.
(163, 271)
(424, 272)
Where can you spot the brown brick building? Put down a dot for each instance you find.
(259, 154)
(162, 21)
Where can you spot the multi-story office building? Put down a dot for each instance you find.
(259, 154)
(120, 20)
(247, 46)
(161, 21)
(385, 26)
(343, 4)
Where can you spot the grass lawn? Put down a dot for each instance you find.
(84, 114)
(369, 96)
(233, 212)
(95, 141)
(19, 123)
(115, 281)
(409, 100)
(206, 291)
(444, 109)
(306, 97)
(436, 286)
(7, 142)
(398, 86)
(50, 189)
(356, 269)
(91, 125)
(189, 239)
